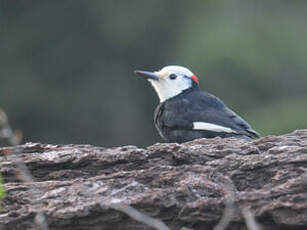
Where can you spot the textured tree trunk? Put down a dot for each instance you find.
(185, 185)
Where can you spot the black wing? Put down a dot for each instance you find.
(197, 106)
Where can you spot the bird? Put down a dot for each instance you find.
(185, 112)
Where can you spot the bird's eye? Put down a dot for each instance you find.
(172, 76)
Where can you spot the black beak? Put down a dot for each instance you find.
(147, 75)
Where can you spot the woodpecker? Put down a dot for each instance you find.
(186, 113)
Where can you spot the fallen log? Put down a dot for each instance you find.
(188, 186)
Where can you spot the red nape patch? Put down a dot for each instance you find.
(195, 79)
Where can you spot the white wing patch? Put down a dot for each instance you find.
(199, 125)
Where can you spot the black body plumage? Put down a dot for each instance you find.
(174, 117)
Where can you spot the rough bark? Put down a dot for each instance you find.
(185, 185)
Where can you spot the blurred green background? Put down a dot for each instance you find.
(66, 66)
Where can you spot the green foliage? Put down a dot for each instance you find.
(72, 73)
(2, 190)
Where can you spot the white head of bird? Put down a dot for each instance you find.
(170, 80)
